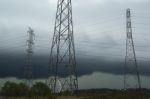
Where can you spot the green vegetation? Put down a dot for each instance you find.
(11, 89)
(39, 90)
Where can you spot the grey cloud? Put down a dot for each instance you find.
(104, 38)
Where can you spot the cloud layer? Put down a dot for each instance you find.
(99, 29)
(13, 66)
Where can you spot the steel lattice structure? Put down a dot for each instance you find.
(132, 76)
(28, 67)
(62, 71)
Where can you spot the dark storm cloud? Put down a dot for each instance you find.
(13, 66)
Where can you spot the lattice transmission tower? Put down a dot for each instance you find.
(131, 76)
(28, 67)
(62, 71)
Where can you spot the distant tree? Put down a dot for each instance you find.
(9, 89)
(22, 89)
(14, 89)
(40, 89)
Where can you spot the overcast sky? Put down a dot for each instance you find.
(99, 30)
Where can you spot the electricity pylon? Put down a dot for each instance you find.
(131, 76)
(62, 69)
(28, 67)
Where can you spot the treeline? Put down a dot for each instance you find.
(42, 91)
(115, 94)
(22, 90)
